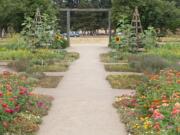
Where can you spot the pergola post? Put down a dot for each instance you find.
(109, 25)
(69, 10)
(68, 27)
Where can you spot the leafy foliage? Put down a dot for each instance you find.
(149, 38)
(155, 108)
(15, 11)
(39, 33)
(161, 14)
(148, 63)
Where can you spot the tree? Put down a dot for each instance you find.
(13, 12)
(163, 14)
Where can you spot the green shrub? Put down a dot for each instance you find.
(114, 57)
(20, 65)
(168, 51)
(124, 81)
(15, 54)
(119, 68)
(149, 38)
(14, 43)
(147, 63)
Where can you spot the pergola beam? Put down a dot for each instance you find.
(68, 11)
(85, 9)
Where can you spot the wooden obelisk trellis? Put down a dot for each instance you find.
(136, 23)
(38, 18)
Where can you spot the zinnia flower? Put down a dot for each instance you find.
(157, 115)
(157, 126)
(4, 105)
(40, 104)
(6, 73)
(1, 94)
(178, 81)
(176, 109)
(8, 87)
(8, 110)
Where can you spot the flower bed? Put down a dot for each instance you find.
(125, 81)
(155, 109)
(20, 109)
(119, 68)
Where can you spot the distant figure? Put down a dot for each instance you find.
(3, 33)
(10, 30)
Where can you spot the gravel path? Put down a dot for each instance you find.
(83, 99)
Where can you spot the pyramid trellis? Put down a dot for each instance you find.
(38, 17)
(137, 27)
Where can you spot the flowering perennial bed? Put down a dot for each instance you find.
(20, 109)
(155, 109)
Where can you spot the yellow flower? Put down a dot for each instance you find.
(147, 124)
(9, 93)
(141, 118)
(136, 126)
(117, 39)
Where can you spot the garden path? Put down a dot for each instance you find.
(83, 99)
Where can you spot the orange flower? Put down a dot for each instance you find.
(176, 95)
(178, 74)
(178, 81)
(165, 101)
(154, 77)
(178, 129)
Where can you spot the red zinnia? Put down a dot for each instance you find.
(7, 110)
(157, 126)
(4, 105)
(1, 94)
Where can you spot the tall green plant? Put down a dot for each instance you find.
(149, 38)
(39, 34)
(127, 38)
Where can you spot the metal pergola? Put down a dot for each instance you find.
(68, 10)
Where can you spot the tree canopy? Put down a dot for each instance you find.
(13, 12)
(163, 14)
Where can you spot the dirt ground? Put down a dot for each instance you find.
(90, 40)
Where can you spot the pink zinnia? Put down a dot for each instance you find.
(175, 111)
(8, 87)
(157, 115)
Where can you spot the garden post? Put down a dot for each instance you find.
(109, 25)
(68, 27)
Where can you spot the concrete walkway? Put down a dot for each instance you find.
(83, 99)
